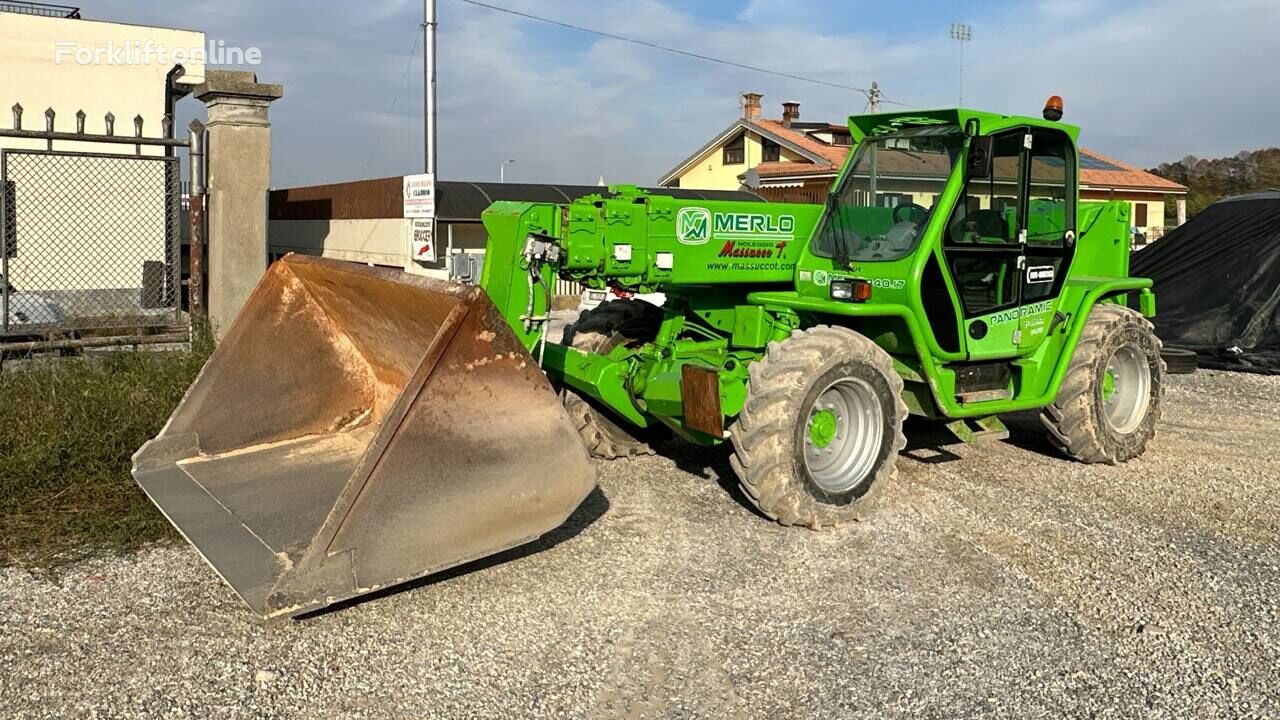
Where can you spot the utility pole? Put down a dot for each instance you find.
(502, 170)
(429, 83)
(874, 97)
(961, 33)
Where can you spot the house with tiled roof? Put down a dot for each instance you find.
(797, 161)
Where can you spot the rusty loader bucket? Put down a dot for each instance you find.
(357, 428)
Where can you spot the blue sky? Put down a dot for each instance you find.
(1147, 81)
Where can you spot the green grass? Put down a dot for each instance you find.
(68, 429)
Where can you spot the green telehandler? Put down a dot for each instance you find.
(359, 427)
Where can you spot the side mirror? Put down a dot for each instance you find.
(981, 160)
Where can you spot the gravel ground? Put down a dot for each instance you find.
(995, 581)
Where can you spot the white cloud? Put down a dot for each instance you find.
(1148, 82)
(625, 111)
(785, 12)
(1066, 9)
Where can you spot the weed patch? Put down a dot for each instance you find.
(68, 429)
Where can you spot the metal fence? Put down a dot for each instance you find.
(41, 9)
(89, 240)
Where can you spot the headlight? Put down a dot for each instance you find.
(850, 290)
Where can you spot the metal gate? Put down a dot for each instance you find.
(90, 239)
(90, 242)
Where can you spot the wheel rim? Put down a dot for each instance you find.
(1126, 388)
(843, 434)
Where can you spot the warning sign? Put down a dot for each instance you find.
(422, 240)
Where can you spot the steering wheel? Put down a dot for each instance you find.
(917, 213)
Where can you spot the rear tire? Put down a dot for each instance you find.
(600, 330)
(1178, 361)
(1112, 396)
(821, 428)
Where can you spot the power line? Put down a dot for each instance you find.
(667, 48)
(386, 118)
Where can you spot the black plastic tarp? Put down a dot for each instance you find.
(1217, 283)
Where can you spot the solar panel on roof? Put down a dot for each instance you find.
(1088, 162)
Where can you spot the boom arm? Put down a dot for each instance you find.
(636, 241)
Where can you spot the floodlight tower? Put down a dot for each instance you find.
(961, 33)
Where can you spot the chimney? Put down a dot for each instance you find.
(751, 105)
(790, 113)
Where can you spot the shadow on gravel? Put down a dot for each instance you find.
(709, 463)
(927, 442)
(1027, 433)
(591, 509)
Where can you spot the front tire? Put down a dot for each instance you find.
(821, 428)
(1113, 394)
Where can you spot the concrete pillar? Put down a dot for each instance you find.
(1182, 209)
(239, 175)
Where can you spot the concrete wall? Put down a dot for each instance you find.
(238, 154)
(374, 241)
(359, 222)
(377, 242)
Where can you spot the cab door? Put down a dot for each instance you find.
(1050, 237)
(983, 250)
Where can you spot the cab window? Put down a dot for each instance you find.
(987, 213)
(981, 240)
(1049, 214)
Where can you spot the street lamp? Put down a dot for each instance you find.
(502, 170)
(961, 33)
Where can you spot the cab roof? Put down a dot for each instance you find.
(860, 126)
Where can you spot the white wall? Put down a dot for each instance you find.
(33, 76)
(93, 228)
(382, 242)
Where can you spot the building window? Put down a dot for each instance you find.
(841, 139)
(1140, 214)
(893, 200)
(735, 150)
(771, 151)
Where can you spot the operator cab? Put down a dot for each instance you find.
(967, 217)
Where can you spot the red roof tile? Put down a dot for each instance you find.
(1127, 176)
(834, 154)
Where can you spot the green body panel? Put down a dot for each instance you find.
(664, 242)
(739, 275)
